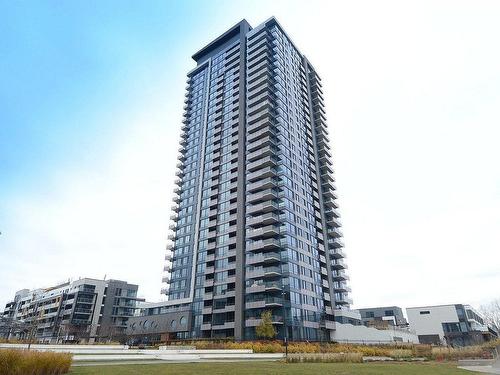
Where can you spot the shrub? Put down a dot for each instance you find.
(491, 344)
(400, 353)
(29, 362)
(422, 351)
(454, 354)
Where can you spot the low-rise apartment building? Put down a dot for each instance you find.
(84, 310)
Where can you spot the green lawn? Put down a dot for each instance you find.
(273, 368)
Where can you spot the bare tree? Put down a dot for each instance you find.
(491, 314)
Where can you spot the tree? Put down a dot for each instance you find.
(491, 314)
(266, 329)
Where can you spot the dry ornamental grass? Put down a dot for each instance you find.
(30, 362)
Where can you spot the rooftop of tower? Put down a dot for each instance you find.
(217, 43)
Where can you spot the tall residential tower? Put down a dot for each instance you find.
(256, 221)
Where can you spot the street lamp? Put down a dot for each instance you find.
(285, 328)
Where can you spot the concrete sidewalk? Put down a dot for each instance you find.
(485, 366)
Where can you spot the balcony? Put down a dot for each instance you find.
(335, 243)
(274, 301)
(206, 326)
(272, 271)
(253, 322)
(259, 154)
(263, 195)
(331, 205)
(262, 173)
(263, 303)
(252, 137)
(267, 244)
(330, 195)
(332, 221)
(334, 232)
(267, 231)
(339, 287)
(167, 268)
(343, 300)
(337, 253)
(222, 325)
(339, 275)
(260, 286)
(207, 310)
(269, 140)
(256, 126)
(264, 219)
(263, 258)
(264, 207)
(267, 161)
(338, 264)
(165, 279)
(262, 184)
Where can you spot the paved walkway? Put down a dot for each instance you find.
(160, 362)
(482, 369)
(492, 368)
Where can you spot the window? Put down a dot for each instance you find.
(425, 312)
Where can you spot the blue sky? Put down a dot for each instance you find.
(90, 106)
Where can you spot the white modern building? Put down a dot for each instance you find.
(456, 325)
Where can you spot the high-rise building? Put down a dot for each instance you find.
(256, 221)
